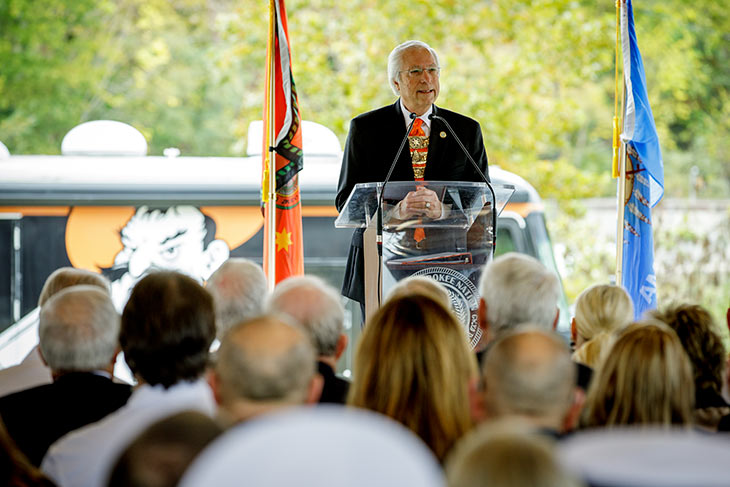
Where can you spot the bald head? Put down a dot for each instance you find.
(79, 329)
(264, 360)
(316, 306)
(528, 373)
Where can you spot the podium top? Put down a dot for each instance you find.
(464, 197)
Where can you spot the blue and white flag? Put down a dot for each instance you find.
(644, 174)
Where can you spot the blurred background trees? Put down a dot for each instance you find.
(537, 74)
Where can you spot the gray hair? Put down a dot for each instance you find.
(315, 305)
(266, 359)
(64, 277)
(395, 60)
(79, 329)
(528, 371)
(239, 289)
(517, 288)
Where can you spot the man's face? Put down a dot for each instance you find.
(419, 91)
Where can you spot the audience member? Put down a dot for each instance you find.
(167, 327)
(600, 311)
(263, 365)
(317, 307)
(515, 289)
(506, 455)
(413, 364)
(326, 446)
(162, 453)
(527, 374)
(239, 291)
(79, 340)
(32, 371)
(697, 333)
(15, 469)
(422, 286)
(645, 380)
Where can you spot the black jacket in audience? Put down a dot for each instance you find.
(37, 417)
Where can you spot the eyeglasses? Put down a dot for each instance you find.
(416, 72)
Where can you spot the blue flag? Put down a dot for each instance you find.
(644, 175)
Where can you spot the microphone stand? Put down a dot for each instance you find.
(479, 171)
(378, 208)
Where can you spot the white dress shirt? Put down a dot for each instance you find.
(85, 457)
(426, 122)
(31, 372)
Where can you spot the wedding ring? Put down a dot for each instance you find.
(428, 204)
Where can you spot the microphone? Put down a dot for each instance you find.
(433, 116)
(458, 140)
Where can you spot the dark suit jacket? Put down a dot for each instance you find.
(335, 388)
(37, 417)
(371, 145)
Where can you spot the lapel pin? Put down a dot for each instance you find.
(443, 135)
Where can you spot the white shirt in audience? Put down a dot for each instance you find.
(85, 457)
(31, 372)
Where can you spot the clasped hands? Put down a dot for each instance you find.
(420, 203)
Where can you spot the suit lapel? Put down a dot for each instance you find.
(403, 169)
(436, 148)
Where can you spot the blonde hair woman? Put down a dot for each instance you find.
(645, 380)
(600, 311)
(414, 365)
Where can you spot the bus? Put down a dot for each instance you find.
(124, 215)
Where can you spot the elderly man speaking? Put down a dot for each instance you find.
(434, 154)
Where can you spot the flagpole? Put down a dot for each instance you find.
(271, 190)
(619, 160)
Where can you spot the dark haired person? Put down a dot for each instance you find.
(167, 327)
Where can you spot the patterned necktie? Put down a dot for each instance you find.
(418, 143)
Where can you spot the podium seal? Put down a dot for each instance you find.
(464, 298)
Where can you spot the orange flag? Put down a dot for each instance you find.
(283, 133)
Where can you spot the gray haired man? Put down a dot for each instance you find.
(317, 307)
(79, 332)
(264, 364)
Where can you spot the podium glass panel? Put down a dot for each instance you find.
(450, 249)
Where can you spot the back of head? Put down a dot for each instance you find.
(413, 364)
(518, 289)
(161, 454)
(507, 455)
(420, 286)
(646, 379)
(239, 290)
(600, 311)
(528, 373)
(265, 360)
(168, 325)
(696, 330)
(315, 305)
(70, 276)
(79, 329)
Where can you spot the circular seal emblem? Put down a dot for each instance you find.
(464, 298)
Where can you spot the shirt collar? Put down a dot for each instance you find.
(407, 115)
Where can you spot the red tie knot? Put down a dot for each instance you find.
(417, 130)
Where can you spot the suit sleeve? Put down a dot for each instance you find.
(479, 153)
(351, 169)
